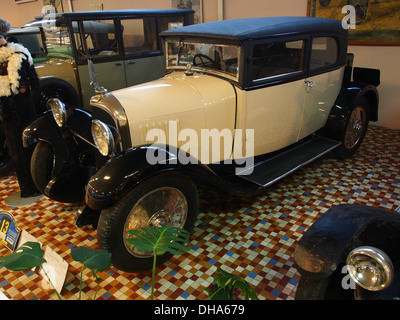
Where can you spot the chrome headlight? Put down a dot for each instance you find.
(370, 268)
(58, 109)
(103, 138)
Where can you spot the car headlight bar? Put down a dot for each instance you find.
(370, 268)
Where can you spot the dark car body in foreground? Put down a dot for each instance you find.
(350, 252)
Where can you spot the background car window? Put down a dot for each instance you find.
(99, 39)
(58, 41)
(139, 35)
(277, 58)
(324, 52)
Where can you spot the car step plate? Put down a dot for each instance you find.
(267, 172)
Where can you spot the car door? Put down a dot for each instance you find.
(322, 85)
(98, 41)
(274, 107)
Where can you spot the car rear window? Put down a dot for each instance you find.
(324, 52)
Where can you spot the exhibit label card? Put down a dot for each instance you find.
(9, 232)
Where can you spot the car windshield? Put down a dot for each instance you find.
(211, 58)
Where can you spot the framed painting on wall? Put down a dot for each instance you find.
(195, 5)
(370, 22)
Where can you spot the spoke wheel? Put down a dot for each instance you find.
(168, 198)
(356, 127)
(163, 206)
(355, 130)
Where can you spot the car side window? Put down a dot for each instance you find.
(139, 35)
(324, 52)
(99, 39)
(277, 58)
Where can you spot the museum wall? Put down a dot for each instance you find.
(383, 57)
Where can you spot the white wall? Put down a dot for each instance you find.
(382, 57)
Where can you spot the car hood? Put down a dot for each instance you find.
(187, 101)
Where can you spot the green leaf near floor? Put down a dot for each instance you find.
(226, 284)
(160, 240)
(28, 256)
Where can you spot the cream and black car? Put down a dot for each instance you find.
(243, 104)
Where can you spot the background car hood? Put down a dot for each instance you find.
(192, 102)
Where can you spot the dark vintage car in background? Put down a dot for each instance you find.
(279, 92)
(350, 252)
(124, 45)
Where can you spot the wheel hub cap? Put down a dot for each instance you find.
(163, 206)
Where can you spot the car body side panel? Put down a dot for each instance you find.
(319, 101)
(114, 80)
(57, 68)
(273, 114)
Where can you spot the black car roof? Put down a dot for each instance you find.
(109, 14)
(253, 28)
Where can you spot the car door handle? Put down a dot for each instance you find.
(131, 62)
(118, 64)
(310, 83)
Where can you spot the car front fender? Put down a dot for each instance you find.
(329, 240)
(120, 174)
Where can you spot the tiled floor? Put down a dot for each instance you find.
(252, 237)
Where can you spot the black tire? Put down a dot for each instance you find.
(147, 197)
(56, 88)
(355, 130)
(42, 163)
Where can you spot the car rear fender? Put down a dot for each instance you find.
(350, 94)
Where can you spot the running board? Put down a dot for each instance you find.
(268, 171)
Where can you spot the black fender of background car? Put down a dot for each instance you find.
(329, 240)
(365, 81)
(122, 173)
(66, 171)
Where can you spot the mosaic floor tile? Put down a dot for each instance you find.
(251, 237)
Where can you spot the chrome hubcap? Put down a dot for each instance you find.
(355, 128)
(165, 205)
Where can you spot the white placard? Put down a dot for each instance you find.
(56, 268)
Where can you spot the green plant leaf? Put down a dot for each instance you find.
(95, 260)
(160, 239)
(226, 284)
(28, 256)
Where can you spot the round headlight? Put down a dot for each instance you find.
(102, 137)
(58, 109)
(370, 268)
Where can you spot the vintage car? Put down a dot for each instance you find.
(124, 45)
(243, 104)
(349, 253)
